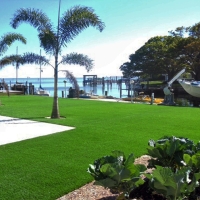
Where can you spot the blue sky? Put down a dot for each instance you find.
(129, 24)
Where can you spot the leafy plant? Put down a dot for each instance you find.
(175, 174)
(169, 151)
(181, 157)
(192, 161)
(117, 173)
(173, 185)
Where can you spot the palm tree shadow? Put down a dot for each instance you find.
(45, 117)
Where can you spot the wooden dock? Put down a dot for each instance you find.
(93, 80)
(11, 92)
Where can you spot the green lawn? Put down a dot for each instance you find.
(48, 167)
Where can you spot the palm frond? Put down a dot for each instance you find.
(73, 81)
(10, 60)
(78, 59)
(41, 22)
(5, 61)
(32, 58)
(5, 85)
(48, 41)
(34, 17)
(26, 58)
(8, 39)
(76, 20)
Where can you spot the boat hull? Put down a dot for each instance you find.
(42, 93)
(190, 87)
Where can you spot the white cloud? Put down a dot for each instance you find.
(108, 57)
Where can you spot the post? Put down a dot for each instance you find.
(131, 83)
(65, 87)
(120, 88)
(152, 98)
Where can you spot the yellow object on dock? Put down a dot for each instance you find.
(144, 98)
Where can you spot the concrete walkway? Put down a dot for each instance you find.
(14, 129)
(109, 100)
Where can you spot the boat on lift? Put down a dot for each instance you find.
(191, 87)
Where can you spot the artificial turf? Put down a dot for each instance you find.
(48, 167)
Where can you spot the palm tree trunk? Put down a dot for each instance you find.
(55, 110)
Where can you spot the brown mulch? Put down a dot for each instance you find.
(94, 192)
(90, 192)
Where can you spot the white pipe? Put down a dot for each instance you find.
(175, 77)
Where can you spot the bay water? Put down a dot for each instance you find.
(48, 84)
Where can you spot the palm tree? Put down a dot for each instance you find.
(53, 40)
(6, 41)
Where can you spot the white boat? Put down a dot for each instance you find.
(191, 87)
(42, 92)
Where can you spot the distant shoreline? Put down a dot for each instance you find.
(58, 77)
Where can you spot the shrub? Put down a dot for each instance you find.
(173, 185)
(175, 175)
(169, 151)
(117, 173)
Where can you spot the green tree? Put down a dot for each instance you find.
(179, 31)
(159, 55)
(192, 57)
(129, 69)
(167, 54)
(53, 40)
(191, 49)
(194, 31)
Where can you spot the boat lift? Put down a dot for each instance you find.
(175, 77)
(169, 95)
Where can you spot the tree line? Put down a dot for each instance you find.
(167, 55)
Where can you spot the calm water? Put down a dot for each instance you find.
(48, 84)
